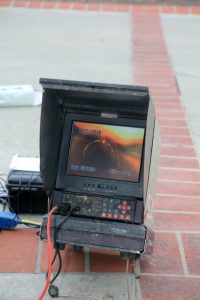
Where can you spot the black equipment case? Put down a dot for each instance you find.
(26, 192)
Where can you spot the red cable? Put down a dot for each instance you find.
(49, 253)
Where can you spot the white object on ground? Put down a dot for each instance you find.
(25, 163)
(19, 95)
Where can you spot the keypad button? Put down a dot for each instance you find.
(119, 206)
(123, 212)
(117, 202)
(103, 215)
(100, 186)
(109, 215)
(121, 217)
(124, 202)
(128, 207)
(123, 207)
(115, 216)
(127, 217)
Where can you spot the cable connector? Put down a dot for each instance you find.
(8, 220)
(76, 208)
(63, 209)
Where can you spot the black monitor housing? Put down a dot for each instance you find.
(95, 152)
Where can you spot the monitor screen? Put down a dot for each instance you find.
(105, 151)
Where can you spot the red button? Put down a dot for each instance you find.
(123, 212)
(115, 216)
(123, 207)
(127, 217)
(109, 215)
(124, 202)
(103, 215)
(128, 208)
(121, 217)
(119, 206)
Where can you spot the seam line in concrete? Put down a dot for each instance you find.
(182, 253)
(138, 290)
(172, 275)
(87, 259)
(39, 256)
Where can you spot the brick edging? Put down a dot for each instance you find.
(107, 7)
(173, 264)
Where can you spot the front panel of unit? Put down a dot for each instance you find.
(101, 181)
(111, 208)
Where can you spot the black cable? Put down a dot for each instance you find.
(4, 190)
(4, 201)
(2, 186)
(59, 267)
(54, 258)
(57, 228)
(22, 188)
(73, 209)
(32, 225)
(3, 175)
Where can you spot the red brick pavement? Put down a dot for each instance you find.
(173, 271)
(107, 7)
(18, 249)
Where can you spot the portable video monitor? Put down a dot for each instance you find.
(95, 156)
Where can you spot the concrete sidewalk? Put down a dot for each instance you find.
(139, 47)
(56, 44)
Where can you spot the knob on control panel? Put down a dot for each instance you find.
(97, 206)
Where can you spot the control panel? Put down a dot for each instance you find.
(100, 207)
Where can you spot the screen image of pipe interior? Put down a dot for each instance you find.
(105, 151)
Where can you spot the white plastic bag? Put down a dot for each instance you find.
(19, 95)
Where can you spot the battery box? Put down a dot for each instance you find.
(26, 193)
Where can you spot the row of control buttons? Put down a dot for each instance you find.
(99, 186)
(116, 216)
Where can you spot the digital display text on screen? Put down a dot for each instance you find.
(105, 151)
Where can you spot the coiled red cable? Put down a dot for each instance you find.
(49, 253)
